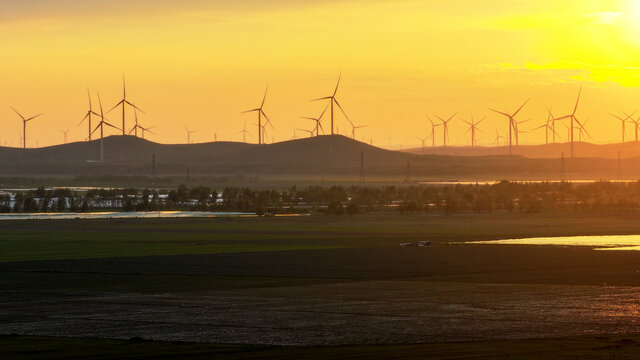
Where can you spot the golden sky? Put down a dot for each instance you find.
(199, 64)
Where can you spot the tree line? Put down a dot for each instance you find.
(338, 200)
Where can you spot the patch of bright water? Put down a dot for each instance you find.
(599, 242)
(122, 215)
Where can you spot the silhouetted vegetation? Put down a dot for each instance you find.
(337, 200)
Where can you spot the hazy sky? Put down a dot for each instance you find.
(199, 63)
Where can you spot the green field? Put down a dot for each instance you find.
(77, 239)
(316, 287)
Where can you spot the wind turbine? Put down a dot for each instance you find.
(512, 123)
(146, 129)
(333, 101)
(189, 132)
(573, 118)
(123, 103)
(498, 137)
(583, 129)
(636, 122)
(551, 119)
(137, 126)
(88, 115)
(24, 126)
(624, 121)
(65, 132)
(473, 127)
(244, 132)
(310, 132)
(445, 125)
(261, 113)
(354, 128)
(548, 128)
(433, 130)
(517, 131)
(101, 126)
(423, 141)
(318, 121)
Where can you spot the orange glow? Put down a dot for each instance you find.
(199, 65)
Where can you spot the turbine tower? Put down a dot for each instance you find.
(88, 115)
(517, 131)
(624, 121)
(123, 103)
(433, 130)
(636, 122)
(552, 120)
(24, 126)
(548, 128)
(244, 132)
(318, 121)
(189, 132)
(310, 132)
(137, 126)
(583, 130)
(333, 101)
(261, 113)
(473, 127)
(423, 141)
(354, 128)
(146, 129)
(573, 118)
(101, 126)
(498, 137)
(65, 132)
(445, 125)
(512, 124)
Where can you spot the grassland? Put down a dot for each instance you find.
(303, 282)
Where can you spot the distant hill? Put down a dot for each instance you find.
(321, 156)
(545, 151)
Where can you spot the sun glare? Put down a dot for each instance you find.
(633, 15)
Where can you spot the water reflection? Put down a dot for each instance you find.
(599, 242)
(123, 215)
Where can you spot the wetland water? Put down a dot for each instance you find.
(121, 215)
(599, 242)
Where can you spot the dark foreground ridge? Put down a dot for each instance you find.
(585, 347)
(322, 156)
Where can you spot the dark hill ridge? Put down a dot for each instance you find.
(322, 156)
(543, 151)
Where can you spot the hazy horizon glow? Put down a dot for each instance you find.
(201, 63)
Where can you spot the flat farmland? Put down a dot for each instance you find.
(291, 283)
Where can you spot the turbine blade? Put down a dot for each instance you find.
(265, 97)
(33, 117)
(341, 109)
(16, 111)
(135, 107)
(84, 118)
(116, 105)
(338, 84)
(520, 108)
(500, 112)
(115, 127)
(577, 101)
(97, 126)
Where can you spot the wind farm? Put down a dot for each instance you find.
(320, 180)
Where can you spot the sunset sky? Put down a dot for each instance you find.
(199, 64)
